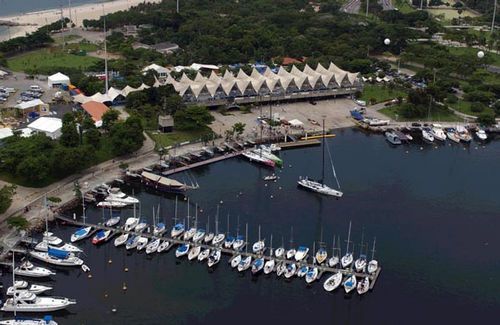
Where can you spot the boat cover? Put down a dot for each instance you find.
(58, 253)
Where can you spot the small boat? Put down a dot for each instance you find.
(111, 204)
(333, 282)
(165, 245)
(228, 243)
(23, 285)
(312, 275)
(120, 240)
(182, 250)
(111, 222)
(117, 196)
(253, 157)
(189, 234)
(43, 246)
(132, 242)
(101, 236)
(350, 283)
(280, 269)
(437, 132)
(427, 135)
(245, 263)
(28, 269)
(257, 265)
(363, 285)
(452, 135)
(481, 135)
(177, 230)
(291, 253)
(81, 233)
(152, 247)
(214, 257)
(131, 223)
(159, 229)
(269, 266)
(57, 257)
(29, 302)
(463, 134)
(392, 138)
(279, 252)
(142, 242)
(301, 253)
(360, 263)
(200, 233)
(46, 320)
(218, 239)
(290, 270)
(203, 255)
(51, 239)
(239, 243)
(85, 268)
(141, 226)
(321, 255)
(302, 271)
(272, 177)
(194, 252)
(235, 261)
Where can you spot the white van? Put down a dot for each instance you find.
(35, 87)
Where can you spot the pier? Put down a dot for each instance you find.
(228, 251)
(202, 163)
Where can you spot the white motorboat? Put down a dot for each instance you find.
(280, 269)
(376, 122)
(257, 265)
(46, 320)
(189, 234)
(28, 269)
(427, 135)
(392, 138)
(312, 275)
(333, 282)
(272, 177)
(452, 135)
(279, 252)
(245, 263)
(235, 261)
(29, 302)
(301, 253)
(321, 255)
(111, 204)
(164, 246)
(218, 239)
(290, 270)
(360, 263)
(203, 255)
(463, 134)
(481, 135)
(142, 242)
(152, 247)
(132, 242)
(302, 271)
(269, 266)
(120, 240)
(182, 250)
(131, 223)
(194, 252)
(253, 157)
(177, 230)
(198, 236)
(363, 285)
(214, 257)
(80, 234)
(43, 246)
(350, 283)
(57, 257)
(51, 239)
(437, 132)
(111, 222)
(24, 286)
(141, 226)
(117, 196)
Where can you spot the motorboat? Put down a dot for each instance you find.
(141, 226)
(203, 255)
(80, 234)
(245, 263)
(182, 250)
(235, 261)
(333, 282)
(142, 242)
(159, 229)
(321, 255)
(29, 302)
(214, 257)
(257, 265)
(427, 135)
(228, 243)
(46, 320)
(279, 252)
(194, 252)
(376, 122)
(363, 285)
(218, 239)
(152, 247)
(318, 187)
(111, 204)
(111, 222)
(165, 245)
(302, 271)
(43, 246)
(463, 134)
(269, 266)
(117, 196)
(350, 283)
(57, 257)
(372, 266)
(177, 230)
(290, 270)
(452, 135)
(239, 243)
(301, 253)
(131, 223)
(28, 269)
(272, 177)
(280, 269)
(253, 157)
(346, 260)
(481, 135)
(101, 236)
(209, 237)
(258, 247)
(25, 286)
(437, 132)
(333, 261)
(200, 233)
(51, 239)
(132, 242)
(268, 155)
(120, 240)
(189, 234)
(360, 263)
(392, 138)
(291, 253)
(312, 275)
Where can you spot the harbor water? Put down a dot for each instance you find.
(434, 210)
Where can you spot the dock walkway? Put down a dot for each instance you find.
(201, 163)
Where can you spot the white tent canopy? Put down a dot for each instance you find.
(29, 104)
(51, 126)
(296, 123)
(5, 133)
(58, 79)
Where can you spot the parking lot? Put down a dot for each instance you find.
(20, 83)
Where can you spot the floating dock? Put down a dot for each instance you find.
(201, 163)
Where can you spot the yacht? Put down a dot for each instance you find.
(392, 138)
(214, 257)
(258, 158)
(117, 196)
(46, 320)
(203, 255)
(318, 187)
(111, 222)
(131, 223)
(333, 282)
(120, 240)
(182, 250)
(57, 257)
(235, 261)
(200, 233)
(165, 245)
(159, 229)
(481, 135)
(257, 265)
(111, 204)
(239, 243)
(245, 263)
(302, 271)
(141, 226)
(269, 266)
(29, 302)
(350, 283)
(321, 255)
(301, 253)
(142, 242)
(312, 275)
(452, 135)
(194, 252)
(25, 286)
(427, 135)
(28, 269)
(290, 270)
(43, 246)
(132, 242)
(153, 246)
(101, 236)
(360, 263)
(437, 132)
(80, 234)
(177, 230)
(463, 134)
(51, 239)
(363, 285)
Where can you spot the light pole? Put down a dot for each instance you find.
(494, 14)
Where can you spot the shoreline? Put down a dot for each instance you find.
(30, 21)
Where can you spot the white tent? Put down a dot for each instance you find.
(51, 126)
(5, 133)
(58, 79)
(30, 104)
(296, 123)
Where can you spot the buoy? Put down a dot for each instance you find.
(265, 185)
(272, 196)
(113, 310)
(124, 286)
(110, 261)
(464, 148)
(406, 151)
(290, 166)
(201, 210)
(105, 295)
(221, 202)
(484, 147)
(90, 276)
(421, 148)
(126, 269)
(279, 187)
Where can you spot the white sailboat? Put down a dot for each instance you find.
(214, 257)
(259, 246)
(347, 259)
(203, 255)
(131, 223)
(269, 265)
(120, 240)
(321, 254)
(302, 271)
(142, 243)
(218, 238)
(334, 259)
(438, 132)
(178, 228)
(360, 263)
(363, 285)
(245, 263)
(209, 236)
(191, 231)
(229, 241)
(291, 252)
(164, 246)
(301, 253)
(333, 282)
(239, 241)
(320, 186)
(280, 269)
(350, 283)
(290, 270)
(152, 247)
(312, 275)
(235, 261)
(373, 264)
(194, 252)
(200, 233)
(132, 242)
(280, 251)
(182, 250)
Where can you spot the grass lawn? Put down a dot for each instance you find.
(49, 58)
(83, 46)
(169, 139)
(493, 57)
(403, 6)
(465, 107)
(68, 38)
(442, 116)
(380, 93)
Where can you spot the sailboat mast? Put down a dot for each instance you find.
(259, 232)
(246, 237)
(196, 216)
(323, 160)
(227, 229)
(175, 213)
(373, 249)
(238, 227)
(14, 282)
(208, 225)
(348, 238)
(271, 246)
(188, 216)
(314, 252)
(217, 221)
(291, 237)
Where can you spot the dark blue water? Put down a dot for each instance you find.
(435, 213)
(9, 7)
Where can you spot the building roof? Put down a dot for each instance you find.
(95, 109)
(58, 77)
(156, 67)
(29, 104)
(5, 133)
(165, 120)
(287, 61)
(165, 46)
(46, 124)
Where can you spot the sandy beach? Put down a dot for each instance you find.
(34, 20)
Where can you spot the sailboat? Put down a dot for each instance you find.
(321, 254)
(204, 255)
(350, 283)
(257, 265)
(239, 241)
(178, 228)
(229, 241)
(153, 246)
(347, 259)
(159, 227)
(333, 282)
(114, 218)
(269, 265)
(334, 260)
(363, 285)
(280, 251)
(194, 252)
(320, 186)
(101, 236)
(312, 275)
(247, 260)
(218, 238)
(214, 257)
(132, 242)
(301, 253)
(373, 264)
(191, 231)
(182, 250)
(164, 246)
(142, 242)
(280, 269)
(200, 233)
(235, 261)
(302, 271)
(290, 270)
(259, 246)
(360, 263)
(291, 252)
(209, 236)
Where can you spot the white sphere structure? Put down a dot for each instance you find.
(480, 54)
(387, 41)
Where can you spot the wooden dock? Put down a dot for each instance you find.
(231, 252)
(299, 143)
(201, 163)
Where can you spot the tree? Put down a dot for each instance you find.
(127, 137)
(238, 128)
(109, 119)
(93, 138)
(69, 135)
(192, 118)
(486, 118)
(34, 169)
(6, 194)
(18, 222)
